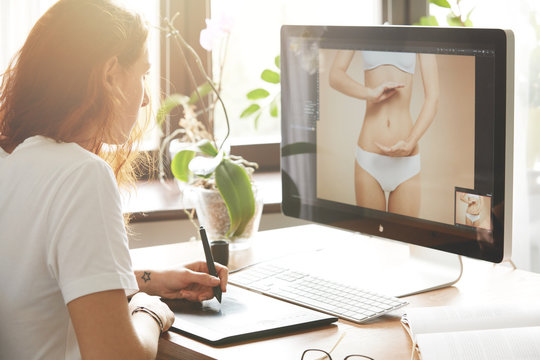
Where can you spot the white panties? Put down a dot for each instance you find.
(389, 171)
(472, 217)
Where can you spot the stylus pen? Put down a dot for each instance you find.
(210, 262)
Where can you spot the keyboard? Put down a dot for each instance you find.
(303, 289)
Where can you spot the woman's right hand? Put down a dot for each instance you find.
(384, 91)
(473, 208)
(154, 304)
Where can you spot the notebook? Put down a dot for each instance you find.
(242, 315)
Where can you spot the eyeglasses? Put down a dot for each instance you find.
(316, 354)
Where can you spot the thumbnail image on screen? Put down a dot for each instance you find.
(396, 131)
(473, 209)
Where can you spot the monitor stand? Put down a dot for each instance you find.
(400, 269)
(371, 262)
(382, 265)
(425, 270)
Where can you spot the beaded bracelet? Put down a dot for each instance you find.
(151, 313)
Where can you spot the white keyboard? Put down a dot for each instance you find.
(301, 288)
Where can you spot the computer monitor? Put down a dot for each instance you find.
(403, 133)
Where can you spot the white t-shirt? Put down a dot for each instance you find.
(62, 236)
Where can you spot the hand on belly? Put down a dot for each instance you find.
(473, 209)
(384, 91)
(400, 148)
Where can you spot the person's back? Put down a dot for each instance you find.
(48, 238)
(62, 235)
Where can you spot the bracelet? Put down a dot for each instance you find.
(152, 314)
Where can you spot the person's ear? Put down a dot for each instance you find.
(111, 70)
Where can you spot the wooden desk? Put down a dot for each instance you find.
(383, 338)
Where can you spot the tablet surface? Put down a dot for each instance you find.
(242, 315)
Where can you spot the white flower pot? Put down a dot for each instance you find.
(212, 214)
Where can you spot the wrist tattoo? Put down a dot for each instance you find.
(146, 276)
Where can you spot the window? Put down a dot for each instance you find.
(16, 19)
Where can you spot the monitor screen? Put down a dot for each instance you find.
(400, 132)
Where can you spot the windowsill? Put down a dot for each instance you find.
(154, 201)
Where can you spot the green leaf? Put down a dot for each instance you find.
(204, 90)
(206, 147)
(453, 20)
(256, 120)
(180, 163)
(250, 110)
(428, 21)
(468, 21)
(298, 148)
(257, 94)
(441, 3)
(168, 104)
(276, 61)
(270, 76)
(235, 188)
(274, 108)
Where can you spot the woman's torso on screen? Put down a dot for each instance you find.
(390, 120)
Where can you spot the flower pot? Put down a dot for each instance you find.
(212, 214)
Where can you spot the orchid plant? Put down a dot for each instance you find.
(455, 17)
(204, 162)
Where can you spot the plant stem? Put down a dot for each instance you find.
(181, 41)
(223, 56)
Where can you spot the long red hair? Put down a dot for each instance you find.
(55, 85)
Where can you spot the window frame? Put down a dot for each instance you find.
(404, 12)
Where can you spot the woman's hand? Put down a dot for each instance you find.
(154, 304)
(473, 209)
(191, 282)
(401, 148)
(384, 91)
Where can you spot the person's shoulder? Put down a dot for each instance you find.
(51, 150)
(61, 157)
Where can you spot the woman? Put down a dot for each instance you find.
(474, 206)
(387, 154)
(78, 84)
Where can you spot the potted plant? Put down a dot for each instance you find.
(220, 185)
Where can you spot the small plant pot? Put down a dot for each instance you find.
(212, 214)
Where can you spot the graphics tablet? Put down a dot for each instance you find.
(242, 315)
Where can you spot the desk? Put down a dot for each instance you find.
(383, 338)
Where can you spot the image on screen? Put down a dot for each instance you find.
(472, 209)
(402, 125)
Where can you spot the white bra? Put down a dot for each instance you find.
(402, 60)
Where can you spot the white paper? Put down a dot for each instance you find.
(484, 331)
(492, 344)
(456, 318)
